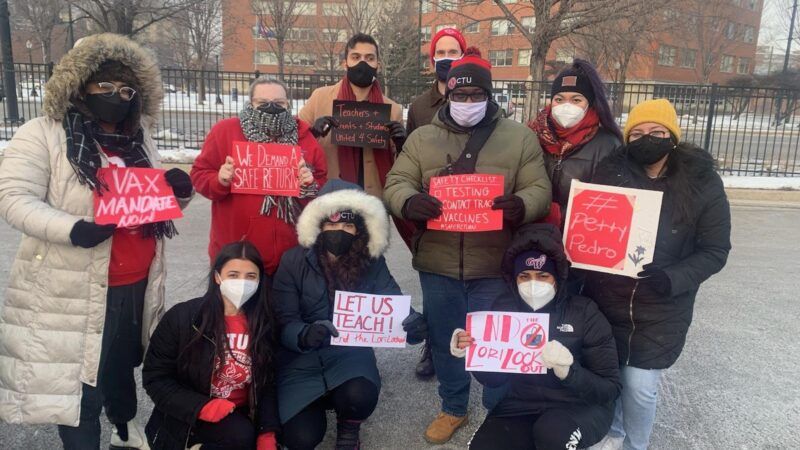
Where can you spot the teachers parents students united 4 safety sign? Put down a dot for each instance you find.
(361, 124)
(370, 320)
(135, 196)
(611, 229)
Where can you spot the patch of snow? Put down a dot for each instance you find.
(750, 182)
(179, 156)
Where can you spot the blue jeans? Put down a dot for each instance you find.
(446, 302)
(636, 407)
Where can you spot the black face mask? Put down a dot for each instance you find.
(649, 150)
(362, 74)
(443, 68)
(271, 108)
(337, 242)
(111, 109)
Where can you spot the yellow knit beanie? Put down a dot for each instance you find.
(658, 111)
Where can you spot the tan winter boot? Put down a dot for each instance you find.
(443, 427)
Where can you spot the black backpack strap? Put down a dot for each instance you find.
(465, 163)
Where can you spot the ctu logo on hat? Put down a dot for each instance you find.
(455, 81)
(536, 263)
(342, 216)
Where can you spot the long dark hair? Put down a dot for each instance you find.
(345, 273)
(600, 104)
(210, 319)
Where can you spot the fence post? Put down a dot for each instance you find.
(712, 104)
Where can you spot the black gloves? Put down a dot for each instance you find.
(416, 328)
(398, 134)
(180, 182)
(89, 234)
(315, 334)
(513, 208)
(323, 125)
(422, 207)
(655, 278)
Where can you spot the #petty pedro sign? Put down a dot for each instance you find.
(467, 202)
(611, 229)
(135, 196)
(507, 342)
(367, 320)
(266, 169)
(361, 124)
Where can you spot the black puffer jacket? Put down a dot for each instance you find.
(650, 328)
(576, 323)
(179, 394)
(579, 164)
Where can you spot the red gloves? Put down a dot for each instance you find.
(216, 410)
(266, 441)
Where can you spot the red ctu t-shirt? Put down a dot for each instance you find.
(131, 252)
(231, 380)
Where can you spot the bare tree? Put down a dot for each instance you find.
(40, 17)
(129, 17)
(710, 25)
(329, 38)
(275, 21)
(397, 35)
(363, 16)
(197, 34)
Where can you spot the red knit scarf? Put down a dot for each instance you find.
(558, 140)
(348, 156)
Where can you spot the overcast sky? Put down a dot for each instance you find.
(774, 24)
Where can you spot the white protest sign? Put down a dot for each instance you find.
(507, 342)
(369, 320)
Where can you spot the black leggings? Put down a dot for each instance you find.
(235, 432)
(560, 429)
(355, 399)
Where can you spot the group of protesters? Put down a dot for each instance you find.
(249, 364)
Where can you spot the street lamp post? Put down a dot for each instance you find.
(219, 99)
(29, 46)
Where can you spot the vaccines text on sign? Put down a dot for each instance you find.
(467, 202)
(367, 320)
(135, 196)
(507, 342)
(266, 169)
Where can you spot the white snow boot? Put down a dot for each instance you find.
(136, 438)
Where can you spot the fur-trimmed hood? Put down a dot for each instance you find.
(70, 74)
(338, 195)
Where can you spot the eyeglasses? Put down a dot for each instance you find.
(282, 102)
(660, 134)
(109, 89)
(461, 97)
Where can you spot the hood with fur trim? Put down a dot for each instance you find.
(70, 74)
(337, 196)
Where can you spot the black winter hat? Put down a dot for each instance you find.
(572, 80)
(470, 70)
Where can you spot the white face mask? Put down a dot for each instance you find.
(567, 115)
(468, 114)
(537, 294)
(238, 291)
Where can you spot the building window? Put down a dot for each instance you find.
(502, 28)
(726, 64)
(332, 9)
(524, 58)
(751, 4)
(688, 58)
(565, 55)
(736, 2)
(300, 34)
(749, 34)
(427, 6)
(301, 59)
(501, 58)
(744, 66)
(508, 2)
(666, 55)
(303, 8)
(730, 31)
(426, 34)
(448, 5)
(334, 35)
(529, 23)
(266, 59)
(473, 27)
(442, 27)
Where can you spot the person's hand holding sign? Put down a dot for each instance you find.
(323, 126)
(459, 342)
(422, 207)
(557, 357)
(513, 208)
(398, 134)
(315, 334)
(225, 175)
(304, 174)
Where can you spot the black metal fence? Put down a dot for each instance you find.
(750, 131)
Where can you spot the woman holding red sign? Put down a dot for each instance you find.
(83, 298)
(268, 221)
(650, 315)
(572, 405)
(343, 234)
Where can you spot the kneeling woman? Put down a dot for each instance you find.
(343, 234)
(572, 405)
(209, 365)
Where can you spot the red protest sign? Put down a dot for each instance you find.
(467, 202)
(266, 169)
(136, 196)
(507, 342)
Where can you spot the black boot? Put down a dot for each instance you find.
(425, 368)
(347, 434)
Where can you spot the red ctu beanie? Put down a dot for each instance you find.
(453, 33)
(471, 70)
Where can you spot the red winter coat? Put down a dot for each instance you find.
(237, 216)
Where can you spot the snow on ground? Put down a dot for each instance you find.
(750, 182)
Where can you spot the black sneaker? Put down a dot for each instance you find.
(347, 435)
(424, 369)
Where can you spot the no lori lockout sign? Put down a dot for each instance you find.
(507, 342)
(611, 229)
